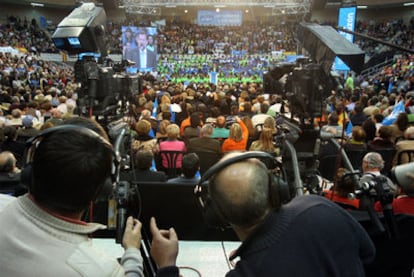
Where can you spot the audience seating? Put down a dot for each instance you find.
(172, 170)
(409, 154)
(355, 157)
(207, 159)
(387, 155)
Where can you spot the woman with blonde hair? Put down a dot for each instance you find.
(171, 144)
(161, 134)
(238, 136)
(143, 141)
(265, 142)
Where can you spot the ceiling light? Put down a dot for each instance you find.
(408, 4)
(362, 7)
(37, 4)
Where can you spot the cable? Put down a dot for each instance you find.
(191, 268)
(226, 257)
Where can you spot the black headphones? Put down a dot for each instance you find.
(26, 176)
(278, 188)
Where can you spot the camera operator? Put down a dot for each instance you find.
(42, 231)
(372, 164)
(309, 236)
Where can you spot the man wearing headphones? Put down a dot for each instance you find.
(309, 236)
(42, 232)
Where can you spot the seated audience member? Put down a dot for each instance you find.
(406, 144)
(332, 128)
(15, 119)
(399, 126)
(143, 140)
(172, 144)
(340, 191)
(273, 234)
(238, 136)
(11, 144)
(191, 164)
(220, 131)
(357, 116)
(193, 131)
(27, 130)
(377, 119)
(56, 117)
(260, 117)
(143, 161)
(204, 143)
(404, 202)
(59, 242)
(357, 141)
(252, 131)
(383, 140)
(162, 130)
(10, 174)
(265, 142)
(370, 130)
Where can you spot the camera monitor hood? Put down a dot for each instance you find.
(324, 43)
(82, 30)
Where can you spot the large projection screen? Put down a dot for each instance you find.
(139, 45)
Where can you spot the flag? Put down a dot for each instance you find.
(348, 130)
(155, 108)
(398, 108)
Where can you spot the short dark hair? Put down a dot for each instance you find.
(143, 159)
(70, 167)
(190, 165)
(195, 120)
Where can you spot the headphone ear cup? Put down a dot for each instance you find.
(212, 215)
(26, 177)
(279, 192)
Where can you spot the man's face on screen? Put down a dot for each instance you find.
(142, 41)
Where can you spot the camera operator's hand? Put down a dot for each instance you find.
(164, 246)
(132, 233)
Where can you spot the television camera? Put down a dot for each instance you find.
(103, 84)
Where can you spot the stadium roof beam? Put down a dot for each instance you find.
(278, 6)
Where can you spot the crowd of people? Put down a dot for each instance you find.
(173, 125)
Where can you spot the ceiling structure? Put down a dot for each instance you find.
(277, 6)
(155, 7)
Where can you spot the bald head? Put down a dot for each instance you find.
(241, 191)
(7, 162)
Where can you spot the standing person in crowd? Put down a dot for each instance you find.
(273, 239)
(238, 136)
(52, 211)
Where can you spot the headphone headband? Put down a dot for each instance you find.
(224, 163)
(278, 189)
